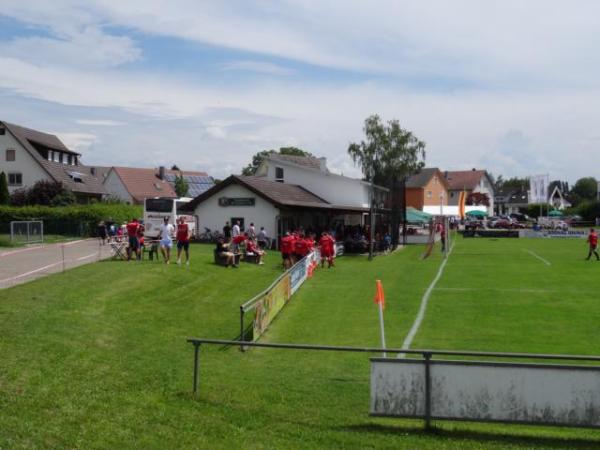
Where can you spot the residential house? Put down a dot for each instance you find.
(509, 201)
(427, 191)
(133, 184)
(312, 174)
(28, 156)
(470, 181)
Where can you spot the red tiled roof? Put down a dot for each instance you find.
(464, 179)
(143, 183)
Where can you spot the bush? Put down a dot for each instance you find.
(78, 220)
(588, 210)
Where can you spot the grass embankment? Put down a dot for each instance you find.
(96, 358)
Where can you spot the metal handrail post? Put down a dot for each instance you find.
(196, 365)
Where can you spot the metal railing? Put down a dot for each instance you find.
(426, 354)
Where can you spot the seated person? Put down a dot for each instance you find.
(222, 251)
(252, 249)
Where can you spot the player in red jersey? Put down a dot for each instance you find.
(286, 250)
(593, 242)
(132, 234)
(183, 241)
(300, 248)
(326, 244)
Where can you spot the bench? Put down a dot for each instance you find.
(222, 260)
(251, 258)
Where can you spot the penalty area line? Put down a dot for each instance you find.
(535, 255)
(421, 314)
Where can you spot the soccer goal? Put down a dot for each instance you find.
(27, 231)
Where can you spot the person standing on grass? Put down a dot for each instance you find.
(326, 244)
(227, 232)
(442, 230)
(166, 241)
(593, 243)
(262, 238)
(183, 241)
(235, 231)
(286, 248)
(132, 235)
(251, 231)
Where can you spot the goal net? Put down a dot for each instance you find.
(27, 231)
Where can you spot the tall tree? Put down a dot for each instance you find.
(181, 185)
(586, 188)
(389, 151)
(4, 194)
(259, 157)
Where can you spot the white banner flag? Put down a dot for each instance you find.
(538, 188)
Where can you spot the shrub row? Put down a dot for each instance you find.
(72, 220)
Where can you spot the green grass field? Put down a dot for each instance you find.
(96, 357)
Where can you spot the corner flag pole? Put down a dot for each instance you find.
(380, 300)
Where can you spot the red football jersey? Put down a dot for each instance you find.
(132, 229)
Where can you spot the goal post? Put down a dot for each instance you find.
(27, 231)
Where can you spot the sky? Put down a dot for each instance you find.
(508, 86)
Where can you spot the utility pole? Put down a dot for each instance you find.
(371, 215)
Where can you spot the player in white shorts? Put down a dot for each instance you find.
(166, 240)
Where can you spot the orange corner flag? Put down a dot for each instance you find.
(379, 295)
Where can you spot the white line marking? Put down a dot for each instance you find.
(516, 290)
(421, 314)
(535, 255)
(31, 272)
(20, 250)
(81, 258)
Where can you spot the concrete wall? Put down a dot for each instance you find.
(115, 187)
(212, 215)
(24, 163)
(335, 189)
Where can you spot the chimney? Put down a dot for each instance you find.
(161, 172)
(323, 164)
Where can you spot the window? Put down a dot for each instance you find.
(451, 194)
(15, 179)
(429, 194)
(56, 156)
(279, 174)
(69, 159)
(10, 155)
(2, 131)
(60, 157)
(50, 155)
(435, 181)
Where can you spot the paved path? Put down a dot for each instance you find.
(26, 264)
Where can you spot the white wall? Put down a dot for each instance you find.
(333, 188)
(115, 187)
(212, 215)
(485, 187)
(24, 163)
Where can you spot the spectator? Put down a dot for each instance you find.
(222, 251)
(263, 240)
(227, 232)
(235, 231)
(286, 248)
(252, 249)
(102, 232)
(251, 231)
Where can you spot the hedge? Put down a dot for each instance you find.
(78, 220)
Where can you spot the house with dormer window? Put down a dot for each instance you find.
(28, 156)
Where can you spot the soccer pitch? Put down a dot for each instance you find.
(96, 357)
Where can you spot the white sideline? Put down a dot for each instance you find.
(535, 255)
(421, 314)
(56, 244)
(30, 272)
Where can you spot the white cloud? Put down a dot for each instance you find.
(99, 122)
(257, 66)
(77, 141)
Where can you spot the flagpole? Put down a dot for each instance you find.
(381, 326)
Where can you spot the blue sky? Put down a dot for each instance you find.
(509, 86)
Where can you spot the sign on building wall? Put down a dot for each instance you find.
(237, 201)
(486, 391)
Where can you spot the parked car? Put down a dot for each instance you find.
(520, 217)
